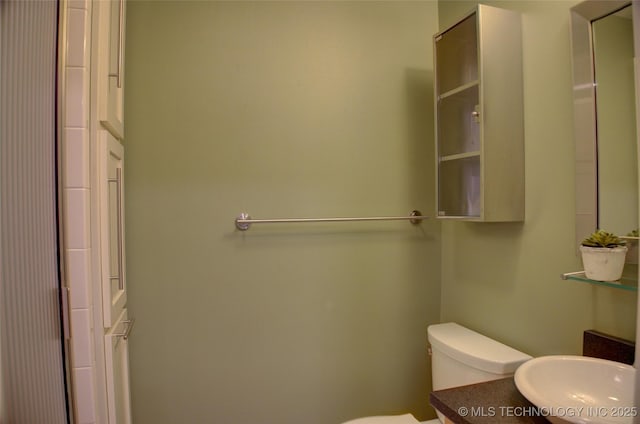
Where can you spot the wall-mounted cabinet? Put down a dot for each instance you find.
(479, 117)
(111, 322)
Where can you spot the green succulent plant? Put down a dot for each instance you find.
(633, 233)
(602, 238)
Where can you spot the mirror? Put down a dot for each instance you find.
(616, 125)
(604, 117)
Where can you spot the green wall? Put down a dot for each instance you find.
(504, 279)
(279, 109)
(325, 109)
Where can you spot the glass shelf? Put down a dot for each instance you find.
(461, 89)
(627, 282)
(459, 156)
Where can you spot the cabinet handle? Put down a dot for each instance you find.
(119, 229)
(118, 74)
(476, 114)
(127, 332)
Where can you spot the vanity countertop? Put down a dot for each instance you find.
(497, 401)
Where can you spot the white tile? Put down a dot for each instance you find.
(78, 278)
(84, 398)
(76, 39)
(76, 107)
(76, 156)
(76, 222)
(81, 338)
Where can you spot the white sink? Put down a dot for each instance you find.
(579, 389)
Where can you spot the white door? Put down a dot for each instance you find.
(117, 367)
(114, 284)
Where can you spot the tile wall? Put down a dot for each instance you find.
(77, 207)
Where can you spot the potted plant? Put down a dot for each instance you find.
(603, 256)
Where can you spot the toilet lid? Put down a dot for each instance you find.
(386, 419)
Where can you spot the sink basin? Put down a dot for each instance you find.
(578, 389)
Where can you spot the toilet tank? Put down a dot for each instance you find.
(461, 356)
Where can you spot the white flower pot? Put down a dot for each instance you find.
(603, 263)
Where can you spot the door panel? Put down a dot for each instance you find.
(114, 289)
(117, 367)
(111, 17)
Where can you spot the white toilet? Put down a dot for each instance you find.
(459, 357)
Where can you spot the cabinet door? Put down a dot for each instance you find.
(112, 15)
(114, 284)
(117, 371)
(457, 124)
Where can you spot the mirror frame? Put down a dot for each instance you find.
(581, 17)
(584, 109)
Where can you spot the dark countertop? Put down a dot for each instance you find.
(497, 401)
